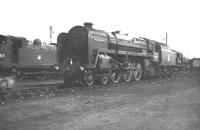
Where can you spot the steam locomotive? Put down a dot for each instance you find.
(24, 59)
(88, 55)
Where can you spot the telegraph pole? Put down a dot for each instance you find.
(166, 38)
(51, 32)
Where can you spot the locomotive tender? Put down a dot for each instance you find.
(88, 54)
(19, 57)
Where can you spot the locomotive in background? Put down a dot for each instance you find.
(90, 55)
(19, 57)
(194, 64)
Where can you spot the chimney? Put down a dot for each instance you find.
(88, 24)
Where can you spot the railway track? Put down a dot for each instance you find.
(52, 90)
(31, 92)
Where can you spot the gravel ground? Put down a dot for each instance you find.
(172, 104)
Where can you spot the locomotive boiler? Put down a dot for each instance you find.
(21, 58)
(90, 55)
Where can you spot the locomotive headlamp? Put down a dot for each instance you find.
(39, 57)
(81, 68)
(56, 67)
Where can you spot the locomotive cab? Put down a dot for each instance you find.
(157, 53)
(179, 58)
(155, 49)
(5, 53)
(2, 46)
(16, 45)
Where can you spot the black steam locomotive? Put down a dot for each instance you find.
(24, 59)
(90, 55)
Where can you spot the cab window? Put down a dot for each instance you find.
(156, 49)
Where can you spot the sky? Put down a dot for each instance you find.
(139, 18)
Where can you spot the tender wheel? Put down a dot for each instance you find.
(115, 76)
(127, 75)
(165, 74)
(168, 73)
(159, 73)
(174, 73)
(138, 72)
(104, 79)
(89, 79)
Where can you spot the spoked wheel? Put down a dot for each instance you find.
(127, 75)
(104, 79)
(172, 74)
(138, 72)
(160, 73)
(168, 73)
(165, 73)
(89, 79)
(115, 76)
